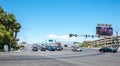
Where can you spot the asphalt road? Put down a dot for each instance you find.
(88, 57)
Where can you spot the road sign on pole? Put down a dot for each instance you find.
(50, 40)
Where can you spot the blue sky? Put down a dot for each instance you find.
(55, 19)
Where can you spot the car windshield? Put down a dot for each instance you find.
(76, 47)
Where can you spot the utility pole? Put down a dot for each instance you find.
(117, 42)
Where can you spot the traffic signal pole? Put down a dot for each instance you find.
(76, 35)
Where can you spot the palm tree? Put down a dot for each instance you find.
(11, 27)
(2, 17)
(1, 9)
(10, 21)
(5, 36)
(17, 27)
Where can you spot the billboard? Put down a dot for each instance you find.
(106, 31)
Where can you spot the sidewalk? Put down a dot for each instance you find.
(17, 51)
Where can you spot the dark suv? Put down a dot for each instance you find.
(108, 49)
(35, 49)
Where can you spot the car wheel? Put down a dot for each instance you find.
(114, 51)
(102, 51)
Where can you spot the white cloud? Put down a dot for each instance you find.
(62, 37)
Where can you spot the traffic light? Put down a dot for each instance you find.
(99, 36)
(86, 36)
(92, 36)
(70, 35)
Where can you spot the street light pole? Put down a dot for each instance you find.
(117, 31)
(117, 38)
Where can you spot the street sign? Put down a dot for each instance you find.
(50, 40)
(6, 48)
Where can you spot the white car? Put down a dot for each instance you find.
(78, 49)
